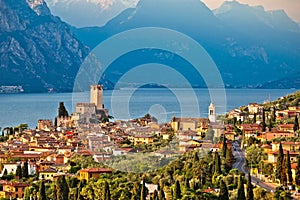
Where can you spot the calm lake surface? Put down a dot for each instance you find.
(128, 104)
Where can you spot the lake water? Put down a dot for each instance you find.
(128, 104)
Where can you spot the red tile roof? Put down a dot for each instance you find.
(96, 170)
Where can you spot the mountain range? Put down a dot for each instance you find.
(74, 12)
(250, 46)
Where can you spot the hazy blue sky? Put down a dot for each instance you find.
(82, 13)
(292, 7)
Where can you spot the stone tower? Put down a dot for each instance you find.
(212, 112)
(96, 96)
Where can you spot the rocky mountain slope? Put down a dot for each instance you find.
(37, 50)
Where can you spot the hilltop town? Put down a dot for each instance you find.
(253, 150)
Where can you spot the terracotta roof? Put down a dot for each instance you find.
(96, 170)
(48, 170)
(285, 152)
(290, 143)
(143, 136)
(293, 165)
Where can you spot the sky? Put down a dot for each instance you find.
(291, 7)
(75, 12)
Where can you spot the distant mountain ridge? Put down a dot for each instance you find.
(250, 46)
(37, 50)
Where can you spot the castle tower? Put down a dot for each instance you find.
(212, 112)
(96, 95)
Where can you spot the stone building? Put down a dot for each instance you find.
(94, 111)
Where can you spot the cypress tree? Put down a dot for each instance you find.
(296, 124)
(155, 195)
(5, 172)
(42, 192)
(223, 191)
(62, 111)
(177, 190)
(289, 168)
(279, 166)
(55, 121)
(297, 174)
(254, 118)
(250, 195)
(217, 164)
(136, 192)
(195, 157)
(62, 188)
(241, 189)
(224, 146)
(25, 170)
(274, 114)
(143, 191)
(106, 191)
(187, 182)
(161, 195)
(283, 175)
(19, 171)
(229, 159)
(263, 124)
(270, 125)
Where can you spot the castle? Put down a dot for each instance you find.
(94, 111)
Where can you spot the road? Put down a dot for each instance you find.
(240, 157)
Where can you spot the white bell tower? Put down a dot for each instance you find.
(212, 112)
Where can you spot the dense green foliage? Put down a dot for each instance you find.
(279, 164)
(223, 191)
(250, 195)
(241, 189)
(288, 168)
(42, 192)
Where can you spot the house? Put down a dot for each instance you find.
(64, 121)
(251, 130)
(151, 188)
(276, 134)
(211, 147)
(230, 136)
(47, 174)
(166, 153)
(291, 146)
(286, 127)
(188, 135)
(288, 146)
(218, 128)
(165, 135)
(273, 155)
(239, 115)
(267, 148)
(141, 139)
(45, 124)
(255, 108)
(188, 147)
(87, 174)
(12, 190)
(10, 168)
(185, 124)
(43, 165)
